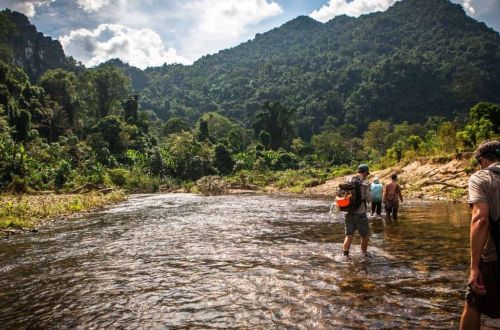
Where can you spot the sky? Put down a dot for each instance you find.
(153, 32)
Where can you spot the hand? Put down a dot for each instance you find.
(476, 282)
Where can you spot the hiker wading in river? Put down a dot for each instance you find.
(392, 196)
(376, 193)
(357, 219)
(483, 289)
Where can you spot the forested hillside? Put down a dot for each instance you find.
(417, 59)
(293, 106)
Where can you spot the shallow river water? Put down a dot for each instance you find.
(237, 261)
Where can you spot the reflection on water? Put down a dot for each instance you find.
(236, 261)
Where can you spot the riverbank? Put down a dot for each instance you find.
(20, 213)
(438, 178)
(432, 178)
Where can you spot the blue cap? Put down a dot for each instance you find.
(363, 168)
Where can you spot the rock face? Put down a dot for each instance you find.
(33, 51)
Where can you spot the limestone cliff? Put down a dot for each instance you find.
(33, 51)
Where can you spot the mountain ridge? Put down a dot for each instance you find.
(417, 59)
(353, 69)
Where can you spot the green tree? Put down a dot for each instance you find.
(112, 130)
(376, 135)
(110, 86)
(131, 109)
(488, 111)
(22, 124)
(265, 139)
(414, 142)
(7, 28)
(480, 125)
(331, 146)
(275, 119)
(203, 132)
(174, 125)
(447, 137)
(61, 86)
(188, 159)
(223, 160)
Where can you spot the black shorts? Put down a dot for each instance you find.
(488, 304)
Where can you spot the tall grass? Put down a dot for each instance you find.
(29, 211)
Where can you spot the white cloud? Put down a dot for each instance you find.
(140, 48)
(356, 8)
(27, 7)
(92, 5)
(350, 8)
(221, 24)
(468, 6)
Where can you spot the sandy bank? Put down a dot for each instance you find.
(422, 178)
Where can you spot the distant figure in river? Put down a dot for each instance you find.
(376, 191)
(357, 219)
(392, 196)
(483, 289)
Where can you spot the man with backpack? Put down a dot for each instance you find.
(356, 218)
(483, 290)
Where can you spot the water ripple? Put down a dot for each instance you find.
(181, 260)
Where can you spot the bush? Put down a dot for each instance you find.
(187, 186)
(118, 176)
(281, 160)
(211, 185)
(140, 182)
(18, 185)
(244, 161)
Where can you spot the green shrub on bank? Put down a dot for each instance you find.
(293, 180)
(137, 181)
(118, 176)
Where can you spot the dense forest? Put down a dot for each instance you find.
(416, 80)
(420, 58)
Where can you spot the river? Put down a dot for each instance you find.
(236, 261)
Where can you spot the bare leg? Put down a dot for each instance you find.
(347, 243)
(364, 244)
(471, 318)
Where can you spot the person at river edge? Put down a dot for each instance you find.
(357, 219)
(376, 193)
(392, 196)
(483, 288)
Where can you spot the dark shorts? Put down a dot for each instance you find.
(488, 304)
(355, 222)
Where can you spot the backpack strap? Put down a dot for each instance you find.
(495, 225)
(495, 170)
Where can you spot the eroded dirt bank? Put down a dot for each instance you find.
(423, 178)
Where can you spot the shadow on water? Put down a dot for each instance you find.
(236, 262)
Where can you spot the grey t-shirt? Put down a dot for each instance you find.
(484, 187)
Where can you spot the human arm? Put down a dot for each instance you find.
(400, 195)
(478, 236)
